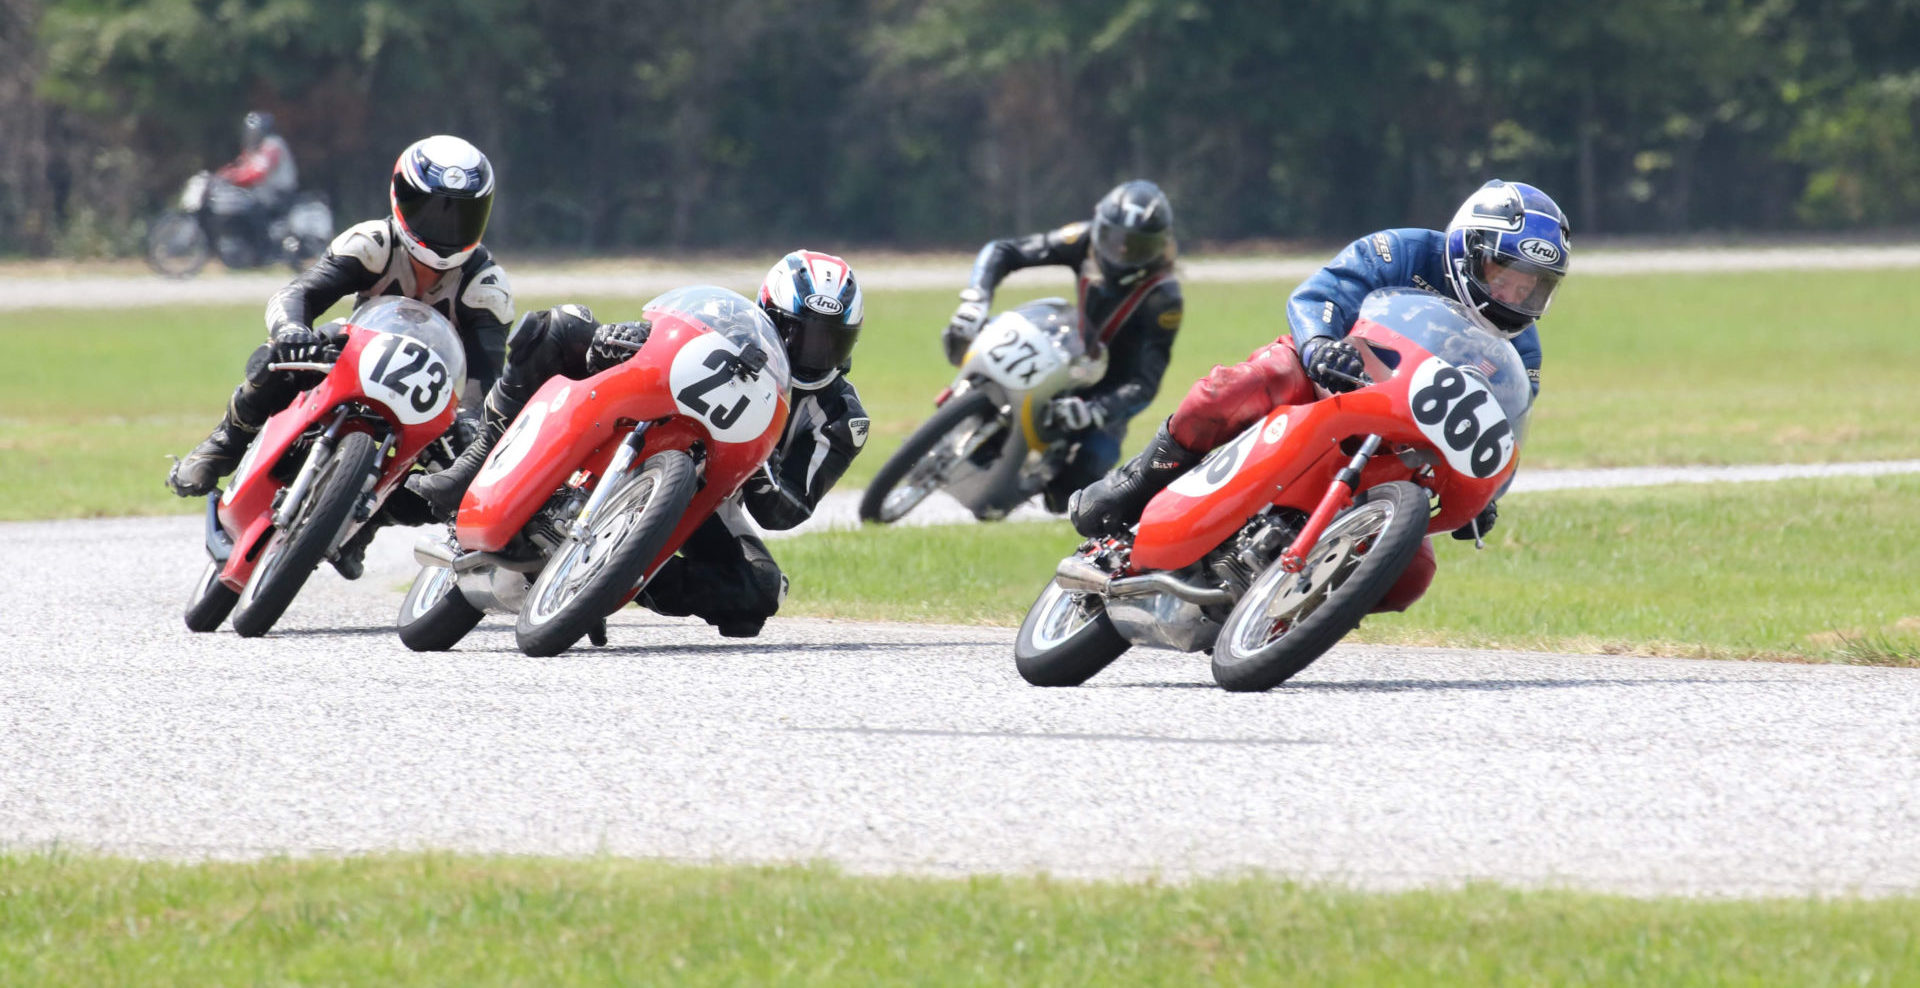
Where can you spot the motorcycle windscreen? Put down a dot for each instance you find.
(734, 317)
(417, 321)
(1442, 327)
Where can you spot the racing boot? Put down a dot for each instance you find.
(1114, 502)
(442, 491)
(199, 472)
(350, 560)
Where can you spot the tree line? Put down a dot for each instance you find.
(652, 124)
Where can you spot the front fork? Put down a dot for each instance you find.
(317, 457)
(1338, 498)
(623, 459)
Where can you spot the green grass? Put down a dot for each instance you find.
(1722, 368)
(1818, 570)
(439, 919)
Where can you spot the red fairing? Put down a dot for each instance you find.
(246, 507)
(1289, 458)
(252, 167)
(574, 428)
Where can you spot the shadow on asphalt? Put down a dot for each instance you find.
(1426, 685)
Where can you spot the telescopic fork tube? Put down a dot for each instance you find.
(1338, 497)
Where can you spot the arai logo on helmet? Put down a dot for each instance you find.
(826, 304)
(1536, 249)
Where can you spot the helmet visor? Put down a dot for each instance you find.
(1121, 247)
(1515, 282)
(446, 224)
(817, 344)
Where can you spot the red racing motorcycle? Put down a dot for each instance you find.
(1277, 544)
(319, 469)
(598, 482)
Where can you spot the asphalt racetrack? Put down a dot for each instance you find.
(891, 747)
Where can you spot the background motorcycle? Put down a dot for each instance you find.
(319, 469)
(181, 240)
(1264, 552)
(598, 482)
(985, 445)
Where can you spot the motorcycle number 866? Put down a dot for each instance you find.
(407, 376)
(1455, 410)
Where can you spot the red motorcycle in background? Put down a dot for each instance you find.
(319, 469)
(598, 482)
(1276, 545)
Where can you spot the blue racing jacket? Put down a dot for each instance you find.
(1328, 303)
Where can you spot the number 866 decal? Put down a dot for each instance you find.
(1457, 412)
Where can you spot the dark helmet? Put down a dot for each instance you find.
(442, 195)
(1507, 249)
(1133, 232)
(256, 127)
(816, 305)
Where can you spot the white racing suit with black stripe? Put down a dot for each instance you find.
(724, 573)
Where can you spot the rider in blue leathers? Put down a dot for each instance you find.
(1502, 257)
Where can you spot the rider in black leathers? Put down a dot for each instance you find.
(1129, 301)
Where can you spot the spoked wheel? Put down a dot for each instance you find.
(211, 601)
(924, 463)
(1286, 620)
(1066, 639)
(177, 246)
(436, 615)
(592, 572)
(292, 553)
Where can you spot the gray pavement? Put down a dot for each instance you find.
(888, 747)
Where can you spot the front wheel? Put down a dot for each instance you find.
(1287, 620)
(211, 601)
(1066, 639)
(925, 461)
(592, 572)
(436, 615)
(177, 245)
(292, 553)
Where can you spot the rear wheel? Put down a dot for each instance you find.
(925, 461)
(211, 601)
(592, 572)
(177, 245)
(436, 615)
(1287, 620)
(1066, 639)
(292, 553)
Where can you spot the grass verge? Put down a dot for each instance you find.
(1721, 368)
(463, 920)
(1813, 570)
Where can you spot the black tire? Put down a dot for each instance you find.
(639, 518)
(292, 555)
(956, 413)
(1248, 658)
(211, 601)
(177, 245)
(435, 615)
(1047, 658)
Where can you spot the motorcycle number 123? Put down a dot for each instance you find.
(1457, 412)
(407, 376)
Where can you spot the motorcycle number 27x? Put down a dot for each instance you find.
(705, 387)
(1457, 412)
(407, 376)
(1022, 355)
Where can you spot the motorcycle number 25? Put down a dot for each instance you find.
(407, 376)
(1455, 410)
(705, 387)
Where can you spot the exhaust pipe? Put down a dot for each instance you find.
(1075, 573)
(427, 552)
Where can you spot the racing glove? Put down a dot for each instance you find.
(1484, 520)
(294, 343)
(615, 342)
(1074, 414)
(1330, 363)
(965, 324)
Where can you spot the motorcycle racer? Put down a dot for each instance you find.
(1129, 301)
(1502, 256)
(428, 248)
(724, 573)
(257, 184)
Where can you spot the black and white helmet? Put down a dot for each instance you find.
(442, 196)
(816, 305)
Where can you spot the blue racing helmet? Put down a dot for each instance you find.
(1507, 249)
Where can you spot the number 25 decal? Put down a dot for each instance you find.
(694, 395)
(706, 386)
(1461, 417)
